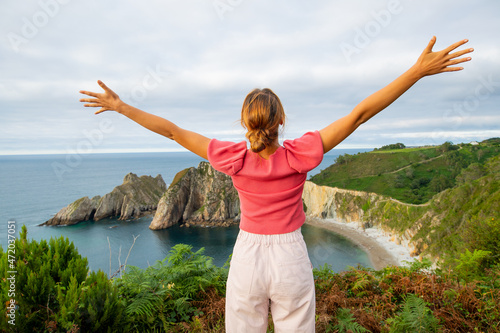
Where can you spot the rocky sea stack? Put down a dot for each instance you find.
(137, 196)
(197, 195)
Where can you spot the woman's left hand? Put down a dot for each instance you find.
(430, 63)
(107, 101)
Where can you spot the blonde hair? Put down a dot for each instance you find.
(261, 115)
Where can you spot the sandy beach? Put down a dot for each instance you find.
(381, 250)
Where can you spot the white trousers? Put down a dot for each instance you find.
(275, 270)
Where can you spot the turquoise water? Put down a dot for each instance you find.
(34, 188)
(91, 238)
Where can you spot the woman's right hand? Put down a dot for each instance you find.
(107, 101)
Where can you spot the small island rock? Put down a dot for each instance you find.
(137, 196)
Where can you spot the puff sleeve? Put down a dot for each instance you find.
(227, 157)
(305, 153)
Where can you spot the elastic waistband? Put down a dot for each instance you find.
(289, 237)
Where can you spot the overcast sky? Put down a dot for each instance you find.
(193, 62)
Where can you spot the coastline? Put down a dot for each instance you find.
(381, 250)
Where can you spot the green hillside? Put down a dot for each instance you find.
(411, 175)
(460, 219)
(469, 214)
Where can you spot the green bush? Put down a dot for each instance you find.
(93, 306)
(40, 266)
(392, 146)
(469, 267)
(53, 292)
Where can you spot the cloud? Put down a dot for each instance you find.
(194, 62)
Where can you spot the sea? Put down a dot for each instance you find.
(35, 187)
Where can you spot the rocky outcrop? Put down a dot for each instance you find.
(137, 196)
(197, 195)
(333, 203)
(82, 209)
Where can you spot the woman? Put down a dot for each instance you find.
(270, 264)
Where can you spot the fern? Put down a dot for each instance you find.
(469, 265)
(143, 304)
(347, 322)
(162, 294)
(418, 266)
(363, 281)
(415, 317)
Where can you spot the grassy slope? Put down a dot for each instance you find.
(411, 175)
(470, 215)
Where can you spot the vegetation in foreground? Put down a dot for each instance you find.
(55, 292)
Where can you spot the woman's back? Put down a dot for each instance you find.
(270, 190)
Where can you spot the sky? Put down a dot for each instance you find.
(193, 62)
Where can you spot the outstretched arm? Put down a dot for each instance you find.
(429, 63)
(109, 101)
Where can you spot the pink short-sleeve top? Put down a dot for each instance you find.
(270, 190)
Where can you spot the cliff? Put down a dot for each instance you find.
(333, 203)
(137, 196)
(368, 210)
(197, 195)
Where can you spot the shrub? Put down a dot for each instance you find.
(163, 294)
(92, 306)
(40, 266)
(53, 290)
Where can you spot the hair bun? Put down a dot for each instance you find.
(258, 140)
(261, 115)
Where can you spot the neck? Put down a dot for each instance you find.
(269, 150)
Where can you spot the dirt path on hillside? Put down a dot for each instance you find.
(405, 203)
(409, 165)
(405, 167)
(424, 161)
